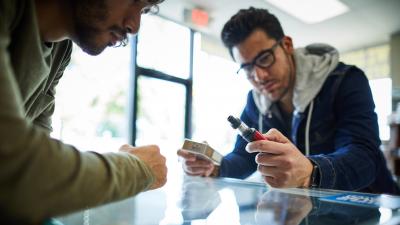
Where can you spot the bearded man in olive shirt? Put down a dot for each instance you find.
(41, 177)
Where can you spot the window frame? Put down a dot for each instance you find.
(138, 71)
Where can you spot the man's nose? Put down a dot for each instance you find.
(132, 23)
(131, 28)
(260, 74)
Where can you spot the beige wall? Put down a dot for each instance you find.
(214, 47)
(395, 61)
(395, 67)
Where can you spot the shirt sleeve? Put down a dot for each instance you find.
(42, 177)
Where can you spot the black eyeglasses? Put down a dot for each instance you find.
(264, 59)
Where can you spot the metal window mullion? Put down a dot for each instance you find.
(189, 90)
(133, 98)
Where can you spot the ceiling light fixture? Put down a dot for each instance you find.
(311, 11)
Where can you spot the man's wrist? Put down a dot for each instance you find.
(307, 181)
(315, 175)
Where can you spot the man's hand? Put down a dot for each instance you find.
(194, 165)
(152, 157)
(281, 164)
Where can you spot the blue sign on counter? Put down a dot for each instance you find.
(363, 199)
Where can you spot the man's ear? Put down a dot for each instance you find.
(287, 44)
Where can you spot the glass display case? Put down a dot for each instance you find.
(199, 200)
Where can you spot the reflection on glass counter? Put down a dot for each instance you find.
(228, 201)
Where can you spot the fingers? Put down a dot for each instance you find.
(270, 171)
(161, 177)
(186, 155)
(159, 167)
(281, 161)
(276, 136)
(198, 171)
(267, 147)
(276, 143)
(267, 159)
(274, 176)
(273, 182)
(270, 180)
(198, 163)
(210, 171)
(194, 165)
(198, 167)
(151, 156)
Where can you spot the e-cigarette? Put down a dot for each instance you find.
(249, 134)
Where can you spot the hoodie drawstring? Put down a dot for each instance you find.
(307, 133)
(260, 120)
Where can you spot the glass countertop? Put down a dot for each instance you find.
(197, 201)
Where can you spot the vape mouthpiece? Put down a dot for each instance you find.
(235, 122)
(249, 134)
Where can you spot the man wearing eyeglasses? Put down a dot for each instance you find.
(317, 112)
(41, 177)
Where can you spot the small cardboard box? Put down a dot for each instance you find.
(202, 150)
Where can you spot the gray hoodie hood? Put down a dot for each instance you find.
(313, 63)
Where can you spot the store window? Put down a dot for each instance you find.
(162, 83)
(164, 46)
(92, 100)
(161, 113)
(217, 93)
(374, 61)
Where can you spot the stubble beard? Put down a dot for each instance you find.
(87, 15)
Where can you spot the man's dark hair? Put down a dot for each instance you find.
(244, 22)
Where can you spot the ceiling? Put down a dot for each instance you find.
(368, 23)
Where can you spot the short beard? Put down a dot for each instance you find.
(86, 14)
(292, 79)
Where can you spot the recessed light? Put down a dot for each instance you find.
(311, 11)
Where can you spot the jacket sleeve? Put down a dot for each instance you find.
(239, 163)
(42, 177)
(354, 162)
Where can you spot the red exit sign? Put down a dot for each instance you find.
(199, 17)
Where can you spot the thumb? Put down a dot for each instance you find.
(275, 135)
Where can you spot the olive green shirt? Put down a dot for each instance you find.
(41, 177)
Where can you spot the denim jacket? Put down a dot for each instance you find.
(343, 136)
